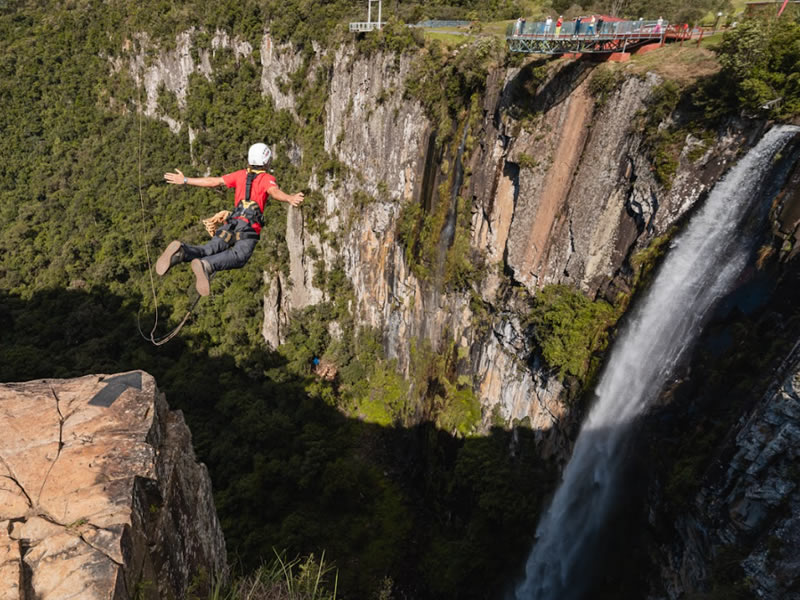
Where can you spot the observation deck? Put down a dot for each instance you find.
(608, 37)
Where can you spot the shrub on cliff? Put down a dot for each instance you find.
(568, 328)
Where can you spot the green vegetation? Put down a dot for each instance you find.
(394, 37)
(526, 161)
(447, 394)
(759, 72)
(644, 261)
(301, 462)
(449, 87)
(447, 38)
(570, 328)
(445, 82)
(663, 142)
(605, 80)
(758, 78)
(282, 579)
(729, 580)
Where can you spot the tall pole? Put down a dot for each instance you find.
(379, 13)
(369, 11)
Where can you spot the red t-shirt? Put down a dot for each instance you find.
(259, 189)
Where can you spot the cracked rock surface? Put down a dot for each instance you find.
(100, 493)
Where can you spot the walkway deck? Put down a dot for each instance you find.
(617, 36)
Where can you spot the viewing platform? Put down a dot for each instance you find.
(606, 37)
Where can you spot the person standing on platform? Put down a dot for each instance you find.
(559, 23)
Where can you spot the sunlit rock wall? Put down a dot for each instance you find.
(100, 493)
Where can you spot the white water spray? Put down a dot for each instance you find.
(701, 266)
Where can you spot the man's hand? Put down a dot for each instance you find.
(175, 178)
(296, 199)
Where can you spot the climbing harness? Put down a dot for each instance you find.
(230, 238)
(248, 210)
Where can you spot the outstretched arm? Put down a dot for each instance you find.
(178, 178)
(281, 196)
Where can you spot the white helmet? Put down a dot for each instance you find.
(259, 155)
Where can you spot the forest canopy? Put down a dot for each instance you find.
(379, 492)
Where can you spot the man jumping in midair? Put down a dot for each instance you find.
(234, 242)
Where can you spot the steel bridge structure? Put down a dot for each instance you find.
(609, 38)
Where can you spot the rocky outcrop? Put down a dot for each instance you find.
(100, 493)
(748, 506)
(567, 193)
(170, 70)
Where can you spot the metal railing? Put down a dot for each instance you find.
(432, 24)
(568, 28)
(366, 26)
(602, 38)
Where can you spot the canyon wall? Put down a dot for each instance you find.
(559, 182)
(562, 194)
(743, 526)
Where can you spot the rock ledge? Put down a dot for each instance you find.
(100, 493)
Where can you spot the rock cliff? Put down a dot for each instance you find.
(743, 527)
(564, 196)
(558, 181)
(100, 493)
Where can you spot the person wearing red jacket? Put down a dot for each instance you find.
(234, 242)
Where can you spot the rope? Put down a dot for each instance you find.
(151, 338)
(167, 337)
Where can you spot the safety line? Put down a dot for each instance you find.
(151, 338)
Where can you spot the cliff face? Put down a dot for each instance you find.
(559, 183)
(562, 194)
(100, 493)
(746, 517)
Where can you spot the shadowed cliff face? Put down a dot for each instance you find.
(289, 471)
(723, 492)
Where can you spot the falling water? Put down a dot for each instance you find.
(701, 266)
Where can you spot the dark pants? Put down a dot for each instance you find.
(218, 254)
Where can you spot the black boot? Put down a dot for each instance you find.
(170, 257)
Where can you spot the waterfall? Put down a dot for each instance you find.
(701, 266)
